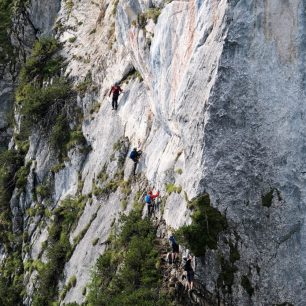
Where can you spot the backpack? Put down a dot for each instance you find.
(172, 240)
(133, 155)
(148, 199)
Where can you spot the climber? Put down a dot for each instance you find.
(175, 248)
(149, 198)
(134, 156)
(115, 90)
(190, 272)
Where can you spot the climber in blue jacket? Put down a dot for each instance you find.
(134, 156)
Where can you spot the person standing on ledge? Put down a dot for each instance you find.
(175, 248)
(115, 90)
(190, 272)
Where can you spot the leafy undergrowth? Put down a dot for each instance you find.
(58, 250)
(11, 269)
(203, 232)
(9, 9)
(128, 272)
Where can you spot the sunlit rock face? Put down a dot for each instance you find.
(217, 107)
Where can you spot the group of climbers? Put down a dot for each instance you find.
(150, 200)
(187, 261)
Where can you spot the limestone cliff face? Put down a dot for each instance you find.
(221, 98)
(31, 20)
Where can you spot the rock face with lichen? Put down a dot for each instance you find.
(213, 93)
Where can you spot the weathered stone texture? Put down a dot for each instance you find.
(222, 99)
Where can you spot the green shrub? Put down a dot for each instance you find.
(72, 39)
(203, 232)
(8, 11)
(102, 176)
(69, 5)
(179, 171)
(10, 162)
(172, 188)
(22, 145)
(137, 281)
(59, 249)
(76, 138)
(59, 135)
(151, 13)
(43, 191)
(42, 63)
(71, 283)
(40, 101)
(57, 168)
(5, 25)
(22, 175)
(36, 102)
(11, 280)
(123, 204)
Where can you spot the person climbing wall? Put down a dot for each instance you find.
(134, 156)
(175, 248)
(115, 90)
(149, 198)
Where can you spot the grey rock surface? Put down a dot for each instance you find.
(221, 98)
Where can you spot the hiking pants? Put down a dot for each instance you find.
(115, 101)
(150, 209)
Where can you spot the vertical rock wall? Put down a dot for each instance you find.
(221, 97)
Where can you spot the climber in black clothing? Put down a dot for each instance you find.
(175, 248)
(115, 90)
(190, 273)
(134, 156)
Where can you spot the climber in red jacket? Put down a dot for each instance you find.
(115, 90)
(150, 197)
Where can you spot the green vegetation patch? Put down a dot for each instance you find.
(11, 280)
(8, 10)
(71, 283)
(115, 5)
(22, 176)
(38, 99)
(127, 273)
(151, 13)
(203, 232)
(11, 276)
(173, 188)
(47, 101)
(179, 171)
(58, 250)
(10, 162)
